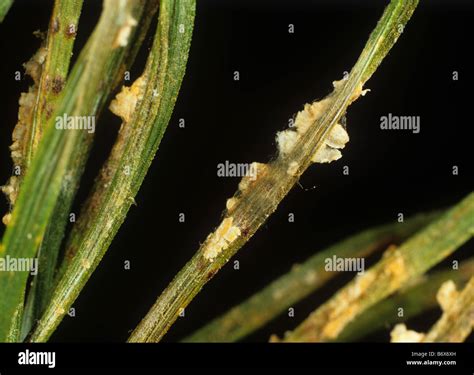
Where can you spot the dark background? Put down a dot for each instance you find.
(390, 171)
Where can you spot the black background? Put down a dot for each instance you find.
(390, 171)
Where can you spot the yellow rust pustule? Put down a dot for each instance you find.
(400, 333)
(221, 238)
(23, 128)
(346, 306)
(447, 295)
(256, 171)
(123, 35)
(230, 203)
(332, 144)
(126, 100)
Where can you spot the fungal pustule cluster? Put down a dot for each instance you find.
(258, 170)
(337, 138)
(126, 100)
(123, 34)
(26, 111)
(400, 333)
(221, 238)
(332, 144)
(447, 295)
(228, 232)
